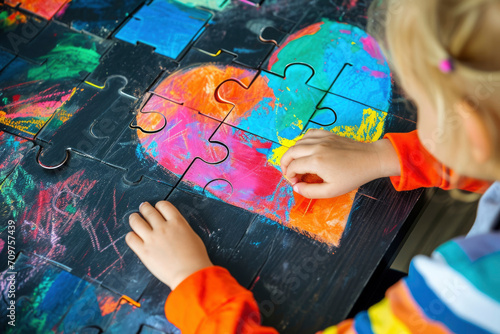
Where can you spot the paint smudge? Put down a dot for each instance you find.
(12, 150)
(31, 93)
(183, 139)
(9, 21)
(43, 8)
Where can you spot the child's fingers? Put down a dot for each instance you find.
(316, 133)
(139, 225)
(151, 215)
(134, 242)
(298, 166)
(313, 190)
(294, 152)
(168, 210)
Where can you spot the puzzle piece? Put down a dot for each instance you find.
(92, 312)
(63, 52)
(167, 25)
(273, 107)
(32, 90)
(195, 82)
(17, 28)
(100, 18)
(43, 292)
(78, 216)
(5, 58)
(346, 61)
(96, 115)
(165, 155)
(257, 184)
(12, 150)
(237, 30)
(357, 121)
(138, 63)
(43, 8)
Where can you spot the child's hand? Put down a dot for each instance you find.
(166, 244)
(342, 163)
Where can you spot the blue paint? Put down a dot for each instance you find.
(96, 16)
(5, 58)
(246, 51)
(166, 25)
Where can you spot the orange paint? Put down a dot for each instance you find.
(322, 219)
(194, 87)
(107, 304)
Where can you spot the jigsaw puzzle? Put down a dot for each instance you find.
(107, 104)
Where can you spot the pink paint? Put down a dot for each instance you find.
(185, 137)
(370, 45)
(257, 185)
(376, 74)
(347, 32)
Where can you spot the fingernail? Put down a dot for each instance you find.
(142, 204)
(296, 189)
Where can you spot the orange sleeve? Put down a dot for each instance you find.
(420, 169)
(212, 301)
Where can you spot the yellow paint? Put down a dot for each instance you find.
(330, 330)
(94, 85)
(370, 130)
(384, 321)
(22, 125)
(288, 89)
(353, 43)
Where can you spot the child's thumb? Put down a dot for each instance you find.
(312, 190)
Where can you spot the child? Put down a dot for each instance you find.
(445, 55)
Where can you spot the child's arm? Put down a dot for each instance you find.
(420, 169)
(205, 298)
(436, 297)
(345, 164)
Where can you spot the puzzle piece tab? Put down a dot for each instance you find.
(167, 25)
(237, 29)
(100, 18)
(346, 61)
(89, 122)
(138, 63)
(43, 8)
(165, 155)
(194, 84)
(272, 107)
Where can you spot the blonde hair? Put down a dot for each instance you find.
(417, 35)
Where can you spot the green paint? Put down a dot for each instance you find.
(71, 209)
(14, 188)
(68, 59)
